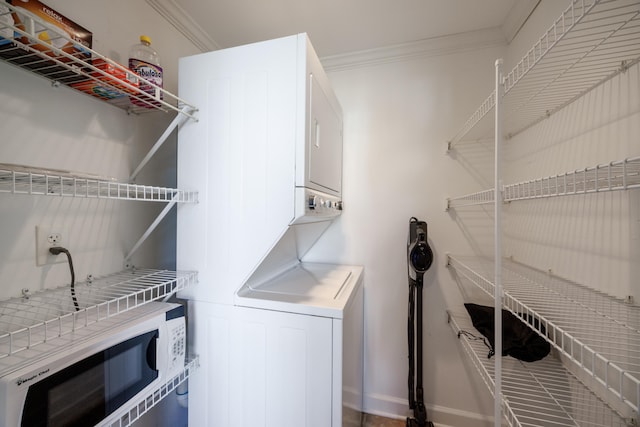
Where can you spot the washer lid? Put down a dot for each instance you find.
(308, 280)
(306, 288)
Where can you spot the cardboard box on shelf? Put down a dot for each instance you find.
(116, 82)
(49, 35)
(66, 35)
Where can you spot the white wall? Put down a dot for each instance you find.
(63, 129)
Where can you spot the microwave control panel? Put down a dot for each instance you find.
(177, 346)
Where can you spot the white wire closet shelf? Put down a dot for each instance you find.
(613, 176)
(598, 333)
(590, 43)
(142, 406)
(479, 198)
(540, 393)
(18, 179)
(39, 317)
(85, 69)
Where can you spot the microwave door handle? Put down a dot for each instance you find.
(152, 353)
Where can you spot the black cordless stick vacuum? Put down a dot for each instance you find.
(419, 259)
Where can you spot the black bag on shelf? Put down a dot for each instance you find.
(518, 339)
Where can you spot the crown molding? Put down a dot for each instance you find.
(181, 21)
(445, 45)
(517, 16)
(493, 37)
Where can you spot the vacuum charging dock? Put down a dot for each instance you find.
(419, 260)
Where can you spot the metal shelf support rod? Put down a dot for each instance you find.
(152, 227)
(177, 121)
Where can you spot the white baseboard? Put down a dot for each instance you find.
(397, 408)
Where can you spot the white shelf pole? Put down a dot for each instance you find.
(180, 118)
(152, 227)
(498, 247)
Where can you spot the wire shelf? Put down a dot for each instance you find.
(473, 199)
(613, 176)
(540, 393)
(597, 332)
(142, 406)
(36, 181)
(590, 43)
(37, 318)
(485, 108)
(26, 50)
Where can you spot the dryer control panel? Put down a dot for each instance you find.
(314, 206)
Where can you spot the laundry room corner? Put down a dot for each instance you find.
(398, 116)
(319, 214)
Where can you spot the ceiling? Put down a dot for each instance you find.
(339, 27)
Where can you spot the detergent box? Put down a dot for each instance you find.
(113, 82)
(49, 31)
(49, 34)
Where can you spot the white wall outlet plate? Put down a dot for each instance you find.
(47, 238)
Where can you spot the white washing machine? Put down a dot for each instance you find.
(287, 353)
(282, 366)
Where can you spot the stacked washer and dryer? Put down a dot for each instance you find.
(280, 340)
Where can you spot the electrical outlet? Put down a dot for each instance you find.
(46, 239)
(54, 239)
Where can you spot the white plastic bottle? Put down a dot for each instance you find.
(145, 62)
